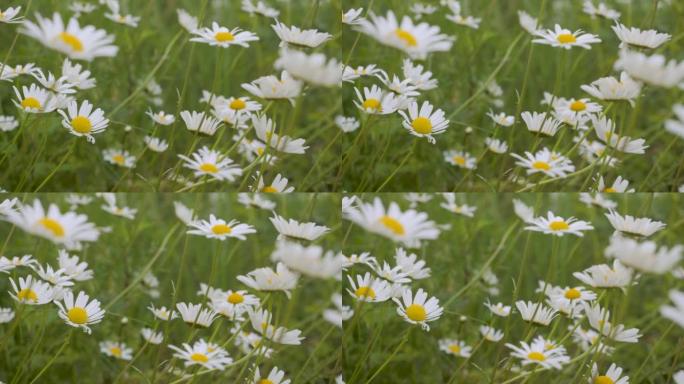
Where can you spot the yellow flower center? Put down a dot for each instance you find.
(373, 104)
(455, 348)
(541, 165)
(460, 160)
(422, 125)
(235, 298)
(572, 293)
(365, 292)
(265, 381)
(392, 224)
(537, 356)
(199, 357)
(208, 168)
(406, 37)
(610, 190)
(224, 36)
(559, 225)
(77, 315)
(566, 38)
(119, 159)
(116, 351)
(416, 312)
(237, 104)
(269, 189)
(81, 124)
(578, 106)
(603, 380)
(53, 226)
(221, 229)
(27, 294)
(30, 102)
(72, 41)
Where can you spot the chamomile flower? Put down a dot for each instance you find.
(450, 205)
(346, 124)
(611, 89)
(540, 123)
(409, 227)
(79, 43)
(312, 68)
(196, 314)
(349, 74)
(260, 8)
(294, 229)
(223, 37)
(69, 229)
(597, 199)
(498, 309)
(411, 265)
(35, 100)
(352, 16)
(162, 313)
(640, 226)
(129, 20)
(654, 70)
(418, 309)
(310, 260)
(619, 185)
(675, 313)
(275, 376)
(375, 101)
(261, 322)
(155, 144)
(468, 21)
(31, 291)
(7, 264)
(265, 130)
(9, 123)
(501, 118)
(83, 120)
(116, 349)
(637, 38)
(9, 15)
(74, 74)
(613, 375)
(460, 159)
(455, 347)
(424, 122)
(564, 38)
(207, 355)
(643, 256)
(418, 76)
(311, 38)
(163, 118)
(119, 157)
(208, 162)
(81, 312)
(549, 163)
(369, 289)
(277, 185)
(199, 122)
(267, 279)
(537, 353)
(416, 40)
(558, 226)
(598, 319)
(606, 131)
(216, 228)
(605, 276)
(6, 315)
(601, 10)
(186, 20)
(674, 126)
(536, 313)
(79, 8)
(274, 88)
(57, 85)
(529, 23)
(496, 145)
(490, 333)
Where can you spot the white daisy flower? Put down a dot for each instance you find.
(73, 267)
(605, 276)
(83, 121)
(310, 260)
(602, 10)
(255, 200)
(31, 291)
(311, 38)
(195, 314)
(58, 85)
(346, 124)
(212, 163)
(536, 313)
(199, 122)
(597, 199)
(418, 309)
(315, 68)
(116, 349)
(539, 122)
(294, 229)
(641, 39)
(119, 157)
(163, 118)
(35, 100)
(643, 256)
(6, 315)
(491, 334)
(417, 76)
(675, 313)
(611, 89)
(79, 7)
(496, 145)
(674, 126)
(162, 313)
(276, 376)
(537, 353)
(654, 70)
(9, 15)
(550, 163)
(216, 228)
(8, 123)
(375, 101)
(75, 75)
(273, 88)
(455, 347)
(409, 263)
(266, 279)
(606, 131)
(558, 226)
(641, 226)
(369, 289)
(223, 37)
(529, 23)
(80, 313)
(261, 322)
(152, 337)
(613, 374)
(499, 309)
(349, 74)
(460, 159)
(424, 122)
(79, 43)
(352, 16)
(260, 8)
(207, 355)
(598, 319)
(564, 38)
(186, 20)
(155, 144)
(265, 130)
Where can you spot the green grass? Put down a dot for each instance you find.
(384, 157)
(157, 239)
(495, 238)
(160, 49)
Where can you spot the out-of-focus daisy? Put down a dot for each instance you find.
(156, 144)
(409, 227)
(529, 23)
(536, 313)
(79, 43)
(162, 313)
(74, 268)
(424, 122)
(375, 101)
(9, 123)
(601, 10)
(643, 256)
(501, 118)
(537, 353)
(337, 315)
(346, 124)
(162, 118)
(216, 228)
(78, 7)
(498, 309)
(460, 159)
(352, 16)
(212, 163)
(76, 75)
(9, 15)
(641, 226)
(17, 261)
(116, 349)
(490, 333)
(151, 336)
(416, 40)
(115, 15)
(294, 229)
(313, 68)
(266, 279)
(186, 20)
(456, 17)
(420, 78)
(223, 37)
(83, 121)
(276, 376)
(273, 88)
(455, 347)
(545, 161)
(265, 130)
(119, 157)
(641, 39)
(311, 38)
(277, 185)
(597, 199)
(31, 291)
(556, 225)
(260, 8)
(606, 131)
(619, 185)
(675, 313)
(611, 89)
(35, 100)
(6, 315)
(450, 205)
(612, 376)
(674, 126)
(261, 322)
(418, 309)
(564, 38)
(207, 355)
(368, 288)
(80, 313)
(654, 70)
(196, 314)
(539, 122)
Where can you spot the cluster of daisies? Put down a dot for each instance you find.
(582, 309)
(253, 329)
(298, 69)
(586, 130)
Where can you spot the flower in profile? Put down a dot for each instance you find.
(352, 16)
(536, 313)
(261, 322)
(598, 319)
(274, 88)
(223, 37)
(266, 279)
(116, 349)
(605, 276)
(311, 38)
(259, 8)
(540, 123)
(80, 313)
(9, 15)
(675, 313)
(611, 89)
(276, 376)
(635, 37)
(564, 38)
(74, 74)
(558, 226)
(654, 70)
(216, 228)
(312, 68)
(196, 314)
(606, 131)
(31, 291)
(151, 336)
(640, 226)
(498, 309)
(294, 229)
(643, 256)
(162, 313)
(266, 131)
